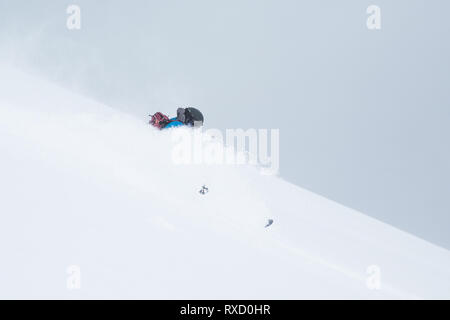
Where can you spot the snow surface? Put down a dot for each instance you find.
(82, 184)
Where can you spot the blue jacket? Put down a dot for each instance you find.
(174, 123)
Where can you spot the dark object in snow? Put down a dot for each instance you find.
(190, 116)
(269, 223)
(204, 190)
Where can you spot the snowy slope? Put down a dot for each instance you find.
(82, 184)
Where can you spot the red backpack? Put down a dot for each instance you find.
(159, 120)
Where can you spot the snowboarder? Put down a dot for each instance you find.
(185, 117)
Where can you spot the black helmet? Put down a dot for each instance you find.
(190, 116)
